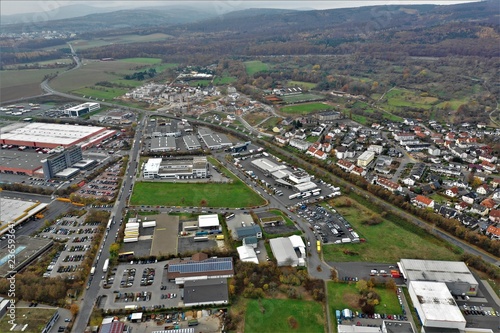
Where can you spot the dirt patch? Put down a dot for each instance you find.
(293, 323)
(351, 299)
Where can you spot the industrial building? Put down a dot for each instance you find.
(206, 292)
(455, 274)
(213, 140)
(82, 109)
(166, 130)
(54, 165)
(16, 211)
(247, 254)
(248, 231)
(199, 267)
(208, 221)
(197, 167)
(20, 162)
(191, 142)
(436, 307)
(163, 143)
(47, 135)
(284, 252)
(296, 179)
(27, 250)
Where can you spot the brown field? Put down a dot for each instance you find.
(17, 84)
(254, 118)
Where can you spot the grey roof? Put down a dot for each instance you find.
(21, 159)
(164, 142)
(436, 270)
(252, 230)
(191, 141)
(206, 291)
(399, 327)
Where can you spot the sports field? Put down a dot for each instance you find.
(289, 99)
(284, 315)
(232, 195)
(386, 242)
(305, 108)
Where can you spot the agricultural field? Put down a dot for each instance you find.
(301, 98)
(54, 62)
(301, 84)
(255, 66)
(22, 83)
(123, 39)
(346, 295)
(34, 318)
(232, 195)
(82, 81)
(219, 81)
(387, 241)
(284, 315)
(305, 108)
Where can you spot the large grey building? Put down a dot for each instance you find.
(63, 160)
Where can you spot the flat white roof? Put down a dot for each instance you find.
(296, 241)
(436, 302)
(283, 250)
(14, 209)
(205, 221)
(48, 133)
(305, 186)
(68, 172)
(136, 316)
(247, 253)
(152, 165)
(437, 270)
(266, 164)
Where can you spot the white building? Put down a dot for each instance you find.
(197, 167)
(435, 305)
(247, 254)
(366, 158)
(208, 221)
(299, 144)
(152, 168)
(284, 250)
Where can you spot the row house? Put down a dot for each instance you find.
(404, 136)
(317, 153)
(458, 151)
(445, 170)
(358, 171)
(488, 158)
(388, 184)
(488, 167)
(345, 165)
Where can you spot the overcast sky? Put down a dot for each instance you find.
(9, 7)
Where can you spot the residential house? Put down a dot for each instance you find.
(358, 171)
(478, 209)
(469, 197)
(494, 215)
(281, 140)
(377, 149)
(452, 192)
(488, 203)
(299, 144)
(423, 201)
(493, 232)
(461, 206)
(489, 167)
(482, 189)
(345, 165)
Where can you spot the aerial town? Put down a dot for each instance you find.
(145, 188)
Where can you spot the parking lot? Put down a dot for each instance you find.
(105, 186)
(144, 285)
(79, 236)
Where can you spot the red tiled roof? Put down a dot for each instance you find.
(493, 230)
(423, 199)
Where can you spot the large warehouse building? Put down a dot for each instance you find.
(46, 135)
(284, 252)
(197, 167)
(213, 140)
(435, 306)
(455, 274)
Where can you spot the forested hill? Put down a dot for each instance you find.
(390, 32)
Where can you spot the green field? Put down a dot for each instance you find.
(290, 99)
(35, 318)
(100, 92)
(402, 98)
(255, 66)
(302, 84)
(270, 123)
(345, 295)
(278, 315)
(386, 242)
(280, 213)
(201, 83)
(123, 39)
(232, 195)
(305, 108)
(224, 80)
(65, 61)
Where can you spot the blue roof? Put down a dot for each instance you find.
(208, 265)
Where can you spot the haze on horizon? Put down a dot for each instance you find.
(11, 7)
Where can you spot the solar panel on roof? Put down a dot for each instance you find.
(220, 265)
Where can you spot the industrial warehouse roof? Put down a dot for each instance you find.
(436, 270)
(267, 165)
(213, 139)
(206, 221)
(436, 302)
(164, 142)
(41, 133)
(247, 254)
(283, 250)
(152, 165)
(209, 265)
(205, 291)
(191, 141)
(20, 159)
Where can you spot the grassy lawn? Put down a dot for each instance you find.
(284, 315)
(101, 92)
(201, 83)
(305, 108)
(255, 66)
(271, 122)
(401, 98)
(233, 195)
(302, 84)
(280, 213)
(35, 318)
(346, 295)
(386, 242)
(224, 80)
(301, 98)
